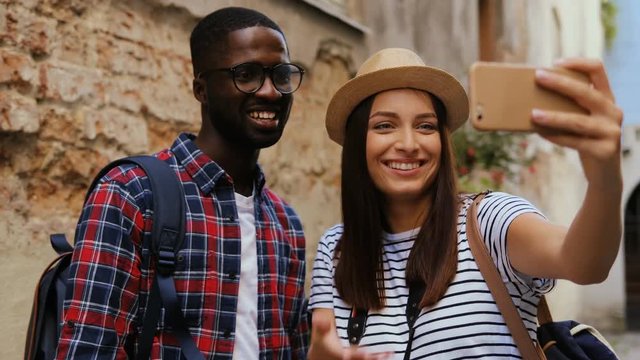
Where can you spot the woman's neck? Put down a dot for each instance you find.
(406, 214)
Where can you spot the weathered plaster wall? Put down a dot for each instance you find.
(443, 33)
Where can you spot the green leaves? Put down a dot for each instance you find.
(488, 159)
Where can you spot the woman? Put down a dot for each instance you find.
(404, 223)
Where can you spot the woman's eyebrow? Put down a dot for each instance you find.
(384, 113)
(394, 115)
(427, 115)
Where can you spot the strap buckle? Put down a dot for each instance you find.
(166, 251)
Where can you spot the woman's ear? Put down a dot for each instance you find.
(199, 90)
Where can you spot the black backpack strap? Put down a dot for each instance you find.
(60, 244)
(166, 239)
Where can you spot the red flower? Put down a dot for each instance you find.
(463, 170)
(471, 152)
(497, 176)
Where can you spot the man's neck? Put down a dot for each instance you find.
(238, 162)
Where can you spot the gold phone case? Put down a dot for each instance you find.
(502, 96)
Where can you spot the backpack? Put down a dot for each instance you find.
(166, 239)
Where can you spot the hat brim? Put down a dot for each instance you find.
(435, 81)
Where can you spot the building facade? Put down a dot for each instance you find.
(85, 82)
(621, 59)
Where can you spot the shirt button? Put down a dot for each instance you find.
(231, 218)
(227, 333)
(233, 275)
(70, 324)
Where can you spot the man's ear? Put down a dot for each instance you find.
(199, 90)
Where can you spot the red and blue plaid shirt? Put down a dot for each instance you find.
(110, 276)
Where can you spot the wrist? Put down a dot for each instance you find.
(606, 184)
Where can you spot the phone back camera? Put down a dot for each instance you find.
(479, 112)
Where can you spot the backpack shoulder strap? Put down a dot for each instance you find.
(167, 235)
(168, 200)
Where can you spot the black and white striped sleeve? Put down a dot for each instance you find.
(495, 214)
(323, 270)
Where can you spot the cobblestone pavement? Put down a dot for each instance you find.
(626, 345)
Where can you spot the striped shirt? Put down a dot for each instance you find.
(110, 274)
(466, 322)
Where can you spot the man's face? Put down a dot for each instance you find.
(253, 120)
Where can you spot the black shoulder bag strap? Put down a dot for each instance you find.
(166, 239)
(416, 293)
(358, 318)
(355, 327)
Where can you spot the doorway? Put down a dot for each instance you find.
(632, 259)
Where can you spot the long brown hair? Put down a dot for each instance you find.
(433, 259)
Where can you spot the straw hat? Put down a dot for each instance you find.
(396, 68)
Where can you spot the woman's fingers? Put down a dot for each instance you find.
(586, 134)
(594, 68)
(592, 100)
(359, 354)
(596, 148)
(578, 124)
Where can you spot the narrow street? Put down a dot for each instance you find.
(626, 345)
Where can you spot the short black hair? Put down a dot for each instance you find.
(214, 27)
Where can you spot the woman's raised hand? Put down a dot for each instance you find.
(595, 135)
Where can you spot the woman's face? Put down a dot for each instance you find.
(403, 144)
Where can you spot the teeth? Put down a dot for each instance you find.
(403, 165)
(268, 115)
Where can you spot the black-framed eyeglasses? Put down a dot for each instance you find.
(249, 77)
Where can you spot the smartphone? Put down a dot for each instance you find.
(502, 96)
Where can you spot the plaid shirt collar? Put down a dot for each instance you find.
(205, 172)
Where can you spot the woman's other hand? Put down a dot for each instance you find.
(325, 344)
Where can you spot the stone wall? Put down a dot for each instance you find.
(83, 82)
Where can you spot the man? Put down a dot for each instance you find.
(240, 273)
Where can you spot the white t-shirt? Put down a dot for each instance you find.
(466, 322)
(246, 342)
